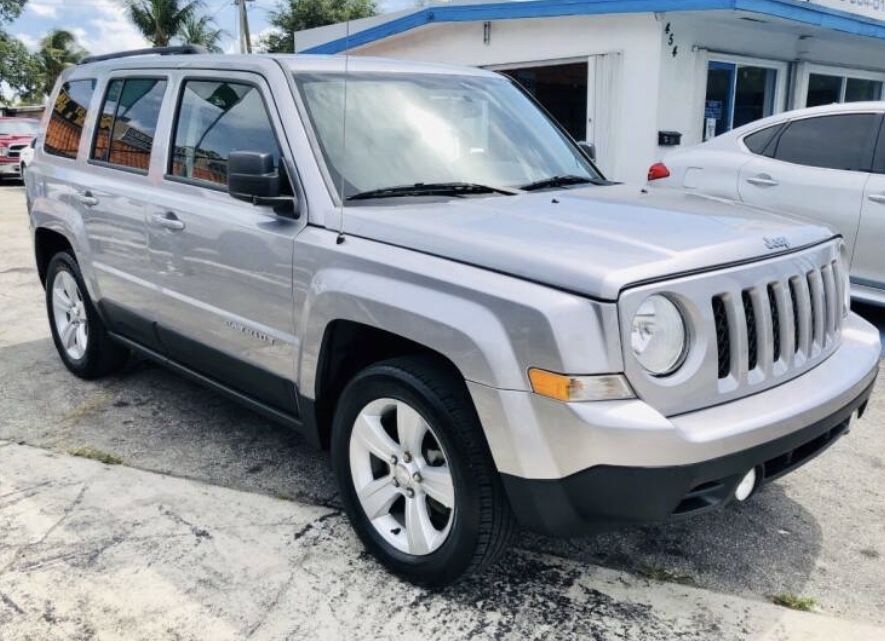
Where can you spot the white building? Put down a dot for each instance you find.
(619, 72)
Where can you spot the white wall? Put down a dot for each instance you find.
(636, 37)
(702, 36)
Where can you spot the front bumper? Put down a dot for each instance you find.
(577, 468)
(10, 168)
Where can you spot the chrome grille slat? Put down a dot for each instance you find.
(840, 293)
(806, 322)
(830, 300)
(818, 318)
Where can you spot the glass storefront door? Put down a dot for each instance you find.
(736, 95)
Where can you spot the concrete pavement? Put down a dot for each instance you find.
(108, 552)
(819, 532)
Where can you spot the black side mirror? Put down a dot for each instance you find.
(589, 149)
(252, 174)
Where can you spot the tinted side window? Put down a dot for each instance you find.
(68, 115)
(125, 133)
(214, 119)
(833, 142)
(759, 141)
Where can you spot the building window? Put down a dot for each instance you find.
(825, 89)
(737, 94)
(561, 89)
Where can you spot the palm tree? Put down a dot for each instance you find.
(201, 31)
(161, 20)
(58, 49)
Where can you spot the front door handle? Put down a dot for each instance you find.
(168, 221)
(877, 198)
(86, 198)
(762, 181)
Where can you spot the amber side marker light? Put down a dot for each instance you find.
(568, 388)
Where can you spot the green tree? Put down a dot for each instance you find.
(10, 10)
(20, 70)
(294, 15)
(161, 20)
(58, 49)
(201, 31)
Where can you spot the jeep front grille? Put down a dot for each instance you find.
(752, 326)
(784, 321)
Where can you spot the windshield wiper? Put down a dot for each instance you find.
(558, 181)
(431, 189)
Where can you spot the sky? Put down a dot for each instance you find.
(101, 25)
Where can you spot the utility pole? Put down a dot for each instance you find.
(245, 40)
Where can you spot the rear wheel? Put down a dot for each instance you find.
(79, 335)
(416, 477)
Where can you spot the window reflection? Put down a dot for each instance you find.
(68, 115)
(125, 133)
(214, 119)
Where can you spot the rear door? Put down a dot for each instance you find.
(116, 193)
(224, 266)
(868, 265)
(818, 169)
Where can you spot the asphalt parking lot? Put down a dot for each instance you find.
(219, 524)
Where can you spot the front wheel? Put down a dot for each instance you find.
(416, 477)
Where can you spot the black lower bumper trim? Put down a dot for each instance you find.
(604, 497)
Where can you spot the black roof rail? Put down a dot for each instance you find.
(157, 51)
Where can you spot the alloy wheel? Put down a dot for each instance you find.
(69, 312)
(401, 476)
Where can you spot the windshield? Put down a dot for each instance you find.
(18, 128)
(408, 129)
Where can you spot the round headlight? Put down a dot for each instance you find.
(657, 335)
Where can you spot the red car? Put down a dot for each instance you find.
(15, 135)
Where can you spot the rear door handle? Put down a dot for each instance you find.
(877, 198)
(86, 198)
(762, 181)
(168, 221)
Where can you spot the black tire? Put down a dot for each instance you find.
(483, 523)
(103, 355)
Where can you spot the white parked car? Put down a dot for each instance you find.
(26, 156)
(823, 163)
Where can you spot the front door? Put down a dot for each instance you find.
(224, 265)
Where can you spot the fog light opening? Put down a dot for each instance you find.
(745, 488)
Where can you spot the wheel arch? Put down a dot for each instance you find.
(47, 243)
(348, 347)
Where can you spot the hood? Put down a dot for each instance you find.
(595, 241)
(12, 139)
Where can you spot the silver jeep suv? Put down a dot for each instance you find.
(413, 266)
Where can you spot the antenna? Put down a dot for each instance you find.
(340, 238)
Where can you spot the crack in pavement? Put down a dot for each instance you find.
(67, 512)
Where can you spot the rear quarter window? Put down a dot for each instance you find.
(68, 116)
(760, 142)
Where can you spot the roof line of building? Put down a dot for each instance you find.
(797, 11)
